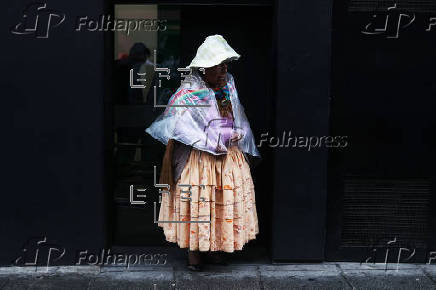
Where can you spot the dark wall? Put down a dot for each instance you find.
(303, 77)
(384, 90)
(52, 145)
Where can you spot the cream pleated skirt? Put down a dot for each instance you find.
(212, 207)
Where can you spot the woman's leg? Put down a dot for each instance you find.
(195, 262)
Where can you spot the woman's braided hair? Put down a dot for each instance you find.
(225, 108)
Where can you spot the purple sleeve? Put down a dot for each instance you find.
(226, 130)
(209, 134)
(217, 133)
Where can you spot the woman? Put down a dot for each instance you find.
(211, 205)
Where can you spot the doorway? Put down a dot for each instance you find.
(135, 153)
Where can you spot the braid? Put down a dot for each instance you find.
(225, 109)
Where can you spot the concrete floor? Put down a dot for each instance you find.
(234, 276)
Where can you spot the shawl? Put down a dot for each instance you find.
(192, 118)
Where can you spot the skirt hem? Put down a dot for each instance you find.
(213, 250)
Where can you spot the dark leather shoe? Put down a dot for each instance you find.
(195, 268)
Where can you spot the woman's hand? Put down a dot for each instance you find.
(220, 149)
(236, 136)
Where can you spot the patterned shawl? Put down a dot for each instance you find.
(192, 117)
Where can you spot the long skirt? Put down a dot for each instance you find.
(212, 207)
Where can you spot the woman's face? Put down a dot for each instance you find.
(216, 76)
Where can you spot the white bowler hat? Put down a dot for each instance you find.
(213, 51)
